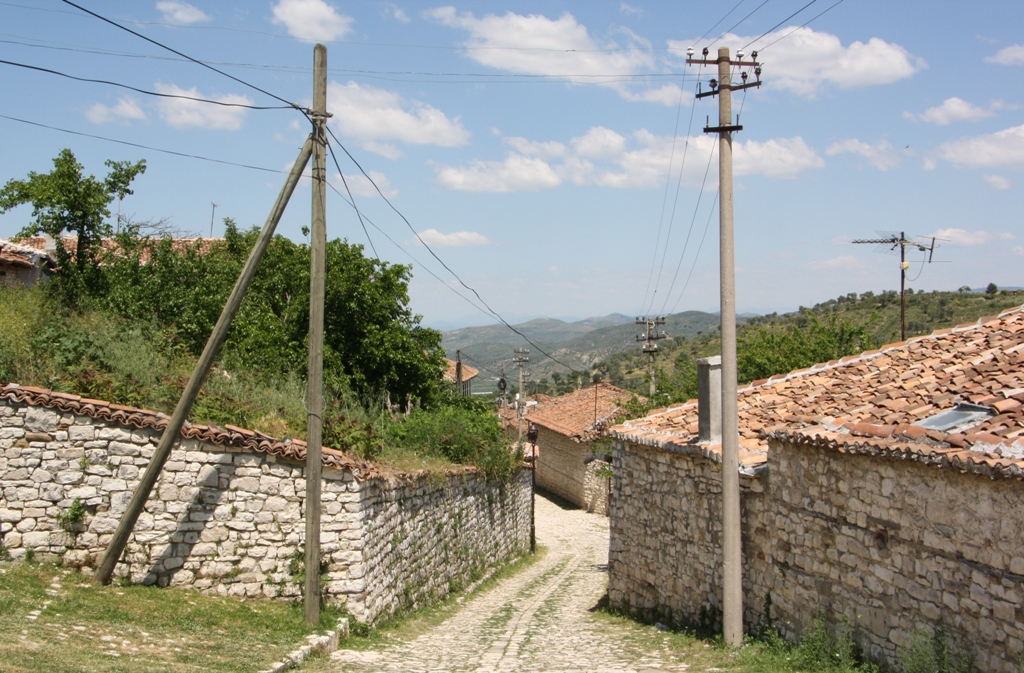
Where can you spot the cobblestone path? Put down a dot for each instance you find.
(538, 620)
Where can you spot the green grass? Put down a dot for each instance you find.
(136, 628)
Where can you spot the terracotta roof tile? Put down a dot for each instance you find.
(879, 394)
(581, 415)
(467, 371)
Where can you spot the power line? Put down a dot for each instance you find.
(441, 261)
(804, 25)
(730, 29)
(353, 201)
(779, 24)
(144, 91)
(696, 256)
(183, 55)
(719, 21)
(144, 147)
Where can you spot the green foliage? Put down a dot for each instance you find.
(352, 435)
(74, 516)
(64, 201)
(992, 288)
(460, 434)
(934, 653)
(818, 650)
(762, 352)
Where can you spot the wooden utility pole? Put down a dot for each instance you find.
(315, 389)
(732, 552)
(519, 360)
(650, 339)
(188, 397)
(458, 372)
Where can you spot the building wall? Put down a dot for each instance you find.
(597, 484)
(890, 546)
(560, 467)
(229, 520)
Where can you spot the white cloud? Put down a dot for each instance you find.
(962, 237)
(842, 262)
(533, 44)
(1018, 250)
(630, 9)
(374, 115)
(953, 110)
(517, 173)
(312, 20)
(669, 94)
(456, 239)
(1012, 55)
(996, 181)
(181, 12)
(395, 12)
(807, 60)
(1003, 149)
(181, 113)
(360, 186)
(127, 109)
(605, 158)
(882, 155)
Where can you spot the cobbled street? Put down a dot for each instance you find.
(537, 620)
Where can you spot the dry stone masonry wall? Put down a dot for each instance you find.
(228, 520)
(891, 547)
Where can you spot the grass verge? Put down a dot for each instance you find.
(80, 627)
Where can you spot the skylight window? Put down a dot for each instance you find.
(962, 416)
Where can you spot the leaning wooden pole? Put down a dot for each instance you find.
(195, 382)
(315, 382)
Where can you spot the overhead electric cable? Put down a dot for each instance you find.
(183, 55)
(144, 147)
(144, 91)
(707, 225)
(441, 261)
(730, 28)
(719, 21)
(805, 24)
(686, 244)
(353, 201)
(779, 24)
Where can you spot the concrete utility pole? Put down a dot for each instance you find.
(732, 552)
(650, 343)
(519, 360)
(213, 212)
(188, 397)
(315, 389)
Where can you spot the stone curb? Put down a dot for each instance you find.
(326, 643)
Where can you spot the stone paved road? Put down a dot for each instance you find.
(537, 620)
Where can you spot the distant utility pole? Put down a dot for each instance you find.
(893, 241)
(315, 384)
(519, 360)
(213, 211)
(732, 551)
(458, 372)
(650, 340)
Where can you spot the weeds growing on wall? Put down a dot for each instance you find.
(935, 653)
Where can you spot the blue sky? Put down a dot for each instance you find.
(542, 148)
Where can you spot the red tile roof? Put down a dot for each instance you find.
(467, 371)
(22, 255)
(229, 435)
(877, 396)
(581, 415)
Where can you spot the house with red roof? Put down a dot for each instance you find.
(884, 491)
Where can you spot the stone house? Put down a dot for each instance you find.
(570, 463)
(22, 264)
(468, 374)
(883, 492)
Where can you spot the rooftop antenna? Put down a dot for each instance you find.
(888, 243)
(212, 212)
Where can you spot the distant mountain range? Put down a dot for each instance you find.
(578, 344)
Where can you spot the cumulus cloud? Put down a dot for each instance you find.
(126, 110)
(1002, 149)
(630, 9)
(456, 239)
(882, 155)
(395, 12)
(996, 181)
(606, 158)
(360, 186)
(181, 113)
(807, 60)
(842, 262)
(962, 237)
(534, 44)
(952, 110)
(311, 20)
(1012, 55)
(378, 116)
(181, 12)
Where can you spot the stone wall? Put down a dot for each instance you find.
(890, 546)
(560, 465)
(227, 519)
(597, 485)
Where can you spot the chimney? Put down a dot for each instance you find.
(709, 399)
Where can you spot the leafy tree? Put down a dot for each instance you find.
(992, 288)
(762, 352)
(65, 201)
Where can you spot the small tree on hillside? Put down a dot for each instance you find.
(64, 201)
